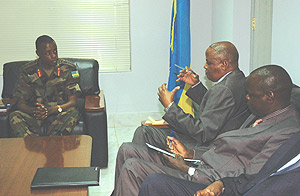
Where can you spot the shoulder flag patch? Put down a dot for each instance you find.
(75, 74)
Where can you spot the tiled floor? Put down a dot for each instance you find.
(120, 129)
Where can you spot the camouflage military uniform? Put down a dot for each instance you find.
(34, 86)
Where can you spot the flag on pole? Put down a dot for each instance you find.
(180, 55)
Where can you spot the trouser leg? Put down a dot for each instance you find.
(63, 122)
(134, 172)
(23, 124)
(157, 137)
(151, 135)
(129, 150)
(165, 185)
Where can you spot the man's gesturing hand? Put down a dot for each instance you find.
(187, 75)
(166, 97)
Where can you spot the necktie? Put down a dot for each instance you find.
(256, 122)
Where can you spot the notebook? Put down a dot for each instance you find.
(58, 177)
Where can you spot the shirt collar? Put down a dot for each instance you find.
(221, 79)
(276, 113)
(55, 72)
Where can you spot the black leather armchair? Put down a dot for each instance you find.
(91, 105)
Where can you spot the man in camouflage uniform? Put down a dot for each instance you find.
(47, 94)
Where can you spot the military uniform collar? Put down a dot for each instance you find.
(41, 73)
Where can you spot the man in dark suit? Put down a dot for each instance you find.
(222, 108)
(232, 153)
(270, 180)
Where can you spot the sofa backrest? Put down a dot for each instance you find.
(88, 76)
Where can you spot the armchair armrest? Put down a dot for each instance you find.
(4, 121)
(96, 126)
(95, 102)
(5, 101)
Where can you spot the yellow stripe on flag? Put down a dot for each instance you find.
(173, 25)
(186, 103)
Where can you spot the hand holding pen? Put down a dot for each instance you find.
(187, 75)
(177, 147)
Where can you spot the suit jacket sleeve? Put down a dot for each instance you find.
(285, 184)
(258, 161)
(237, 186)
(215, 109)
(196, 93)
(254, 165)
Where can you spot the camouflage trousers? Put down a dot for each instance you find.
(24, 124)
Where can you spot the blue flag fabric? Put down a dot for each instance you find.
(180, 54)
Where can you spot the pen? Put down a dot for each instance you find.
(184, 68)
(171, 135)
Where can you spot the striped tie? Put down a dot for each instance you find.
(256, 122)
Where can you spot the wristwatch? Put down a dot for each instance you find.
(223, 190)
(59, 109)
(191, 171)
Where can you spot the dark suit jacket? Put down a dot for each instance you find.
(246, 150)
(222, 108)
(284, 184)
(281, 185)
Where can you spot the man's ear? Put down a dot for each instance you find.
(37, 52)
(225, 65)
(270, 96)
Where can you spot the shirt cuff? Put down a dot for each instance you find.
(196, 84)
(167, 108)
(194, 153)
(223, 189)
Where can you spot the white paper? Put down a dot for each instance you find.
(160, 150)
(168, 153)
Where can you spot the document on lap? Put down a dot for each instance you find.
(168, 153)
(151, 121)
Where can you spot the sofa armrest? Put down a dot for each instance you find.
(95, 102)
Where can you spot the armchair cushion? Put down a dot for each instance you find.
(11, 78)
(88, 72)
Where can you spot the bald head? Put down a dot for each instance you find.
(226, 51)
(221, 58)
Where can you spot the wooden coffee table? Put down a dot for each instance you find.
(20, 157)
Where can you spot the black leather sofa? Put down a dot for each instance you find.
(91, 105)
